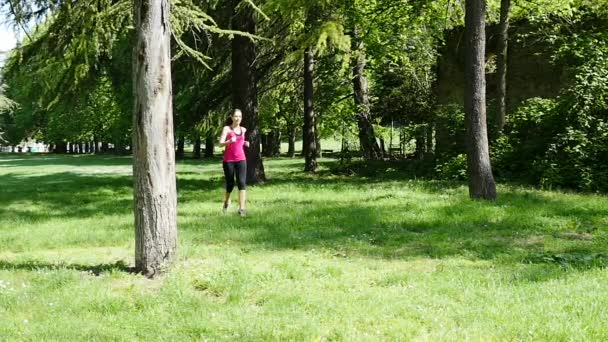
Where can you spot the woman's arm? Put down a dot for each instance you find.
(245, 137)
(223, 141)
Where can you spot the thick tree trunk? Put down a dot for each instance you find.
(481, 181)
(209, 146)
(244, 88)
(309, 140)
(154, 188)
(367, 137)
(271, 144)
(503, 46)
(61, 147)
(105, 147)
(180, 147)
(196, 151)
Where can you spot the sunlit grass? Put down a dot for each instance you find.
(319, 257)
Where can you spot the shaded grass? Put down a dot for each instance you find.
(319, 256)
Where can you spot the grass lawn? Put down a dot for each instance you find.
(318, 258)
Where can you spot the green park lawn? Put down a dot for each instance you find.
(319, 258)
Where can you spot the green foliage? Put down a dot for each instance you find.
(454, 168)
(515, 155)
(6, 107)
(6, 104)
(563, 142)
(450, 131)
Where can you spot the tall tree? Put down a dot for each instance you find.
(309, 142)
(367, 138)
(153, 151)
(244, 86)
(503, 46)
(481, 181)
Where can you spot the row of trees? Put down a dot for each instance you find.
(313, 67)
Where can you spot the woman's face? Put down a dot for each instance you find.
(237, 117)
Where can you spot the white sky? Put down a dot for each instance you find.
(7, 40)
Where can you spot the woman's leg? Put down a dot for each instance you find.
(241, 177)
(229, 175)
(242, 199)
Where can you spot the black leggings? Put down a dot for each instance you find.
(235, 168)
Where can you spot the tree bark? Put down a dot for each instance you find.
(481, 181)
(154, 188)
(180, 147)
(420, 143)
(367, 137)
(196, 151)
(309, 141)
(271, 144)
(209, 146)
(61, 147)
(291, 150)
(429, 139)
(244, 88)
(503, 46)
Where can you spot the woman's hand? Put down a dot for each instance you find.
(233, 139)
(246, 143)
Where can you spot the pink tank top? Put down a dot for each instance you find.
(234, 152)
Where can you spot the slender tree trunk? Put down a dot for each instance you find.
(318, 139)
(276, 149)
(197, 147)
(266, 144)
(503, 46)
(209, 146)
(429, 138)
(244, 88)
(291, 150)
(154, 188)
(309, 141)
(481, 181)
(420, 143)
(180, 147)
(367, 137)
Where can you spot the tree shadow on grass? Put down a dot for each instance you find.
(33, 265)
(383, 225)
(36, 160)
(367, 231)
(74, 195)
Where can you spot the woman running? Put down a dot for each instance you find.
(235, 162)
